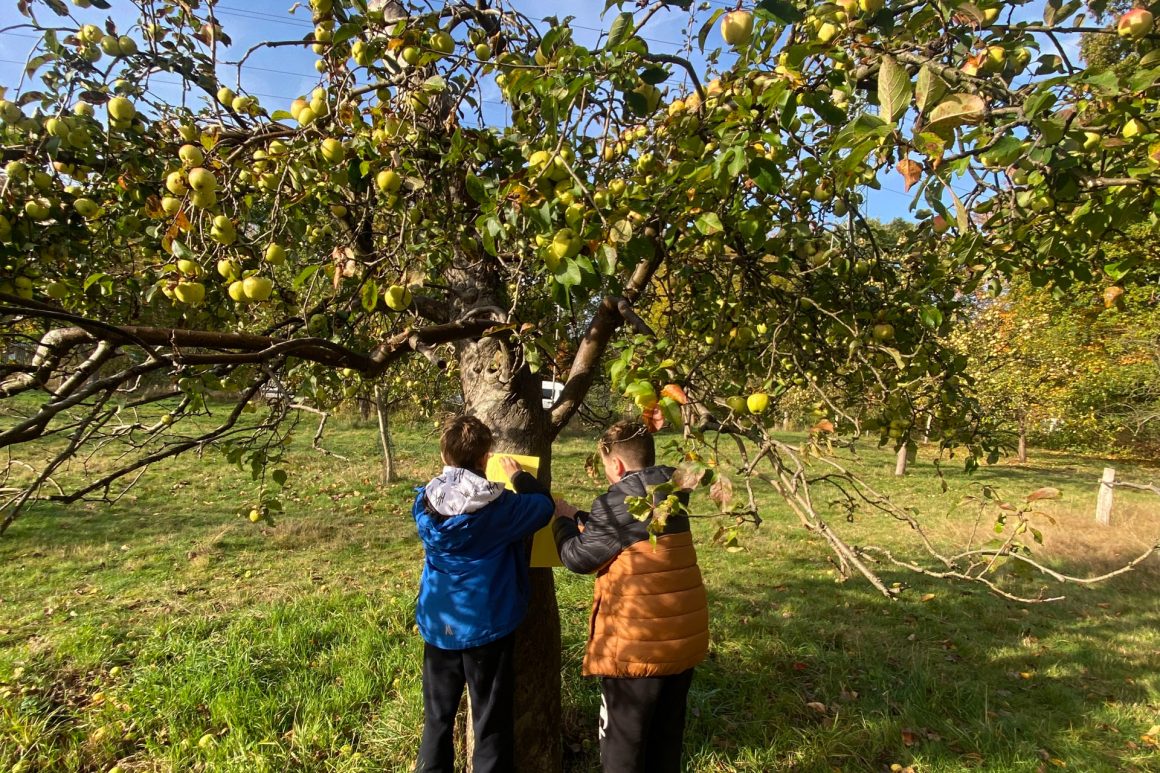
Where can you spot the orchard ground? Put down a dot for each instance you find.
(167, 632)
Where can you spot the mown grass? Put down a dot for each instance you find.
(167, 632)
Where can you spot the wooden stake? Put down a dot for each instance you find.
(1104, 501)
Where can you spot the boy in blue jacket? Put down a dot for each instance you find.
(473, 594)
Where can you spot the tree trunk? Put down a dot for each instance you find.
(1022, 443)
(900, 461)
(385, 436)
(505, 395)
(926, 432)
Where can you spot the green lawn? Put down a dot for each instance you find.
(167, 632)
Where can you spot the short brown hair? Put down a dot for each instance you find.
(631, 441)
(465, 441)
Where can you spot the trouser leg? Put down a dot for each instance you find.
(491, 685)
(666, 734)
(626, 707)
(443, 681)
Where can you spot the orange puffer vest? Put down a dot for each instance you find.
(650, 615)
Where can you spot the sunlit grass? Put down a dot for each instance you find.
(166, 632)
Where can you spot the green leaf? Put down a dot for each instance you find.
(568, 273)
(180, 251)
(435, 84)
(707, 27)
(931, 317)
(931, 88)
(620, 29)
(781, 10)
(1036, 104)
(766, 175)
(1056, 12)
(708, 223)
(893, 89)
(279, 477)
(370, 295)
(654, 75)
(476, 189)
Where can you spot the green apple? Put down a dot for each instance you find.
(442, 42)
(257, 288)
(565, 244)
(191, 293)
(388, 181)
(737, 404)
(229, 268)
(757, 402)
(170, 205)
(883, 332)
(275, 254)
(37, 209)
(191, 155)
(398, 298)
(483, 52)
(332, 150)
(201, 179)
(56, 290)
(86, 208)
(121, 109)
(237, 290)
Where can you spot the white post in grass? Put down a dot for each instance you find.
(1104, 501)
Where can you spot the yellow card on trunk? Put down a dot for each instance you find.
(544, 552)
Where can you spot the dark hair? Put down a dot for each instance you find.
(631, 441)
(465, 441)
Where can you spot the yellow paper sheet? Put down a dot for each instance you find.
(544, 552)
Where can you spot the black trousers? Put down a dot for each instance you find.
(490, 678)
(642, 723)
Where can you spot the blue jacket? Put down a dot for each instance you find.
(474, 588)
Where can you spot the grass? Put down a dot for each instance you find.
(166, 632)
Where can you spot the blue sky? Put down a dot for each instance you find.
(278, 75)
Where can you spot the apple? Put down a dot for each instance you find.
(187, 266)
(332, 150)
(201, 179)
(56, 290)
(483, 52)
(737, 28)
(237, 290)
(871, 7)
(223, 231)
(37, 209)
(191, 293)
(1091, 140)
(883, 332)
(90, 33)
(86, 208)
(737, 404)
(411, 55)
(255, 516)
(203, 199)
(1135, 24)
(257, 288)
(275, 254)
(127, 45)
(121, 109)
(398, 298)
(939, 224)
(191, 155)
(226, 95)
(996, 58)
(170, 205)
(16, 171)
(989, 16)
(229, 268)
(388, 181)
(757, 402)
(442, 42)
(565, 244)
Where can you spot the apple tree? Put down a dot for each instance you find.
(693, 221)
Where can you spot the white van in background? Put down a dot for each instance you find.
(550, 393)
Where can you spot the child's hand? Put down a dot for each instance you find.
(510, 466)
(564, 509)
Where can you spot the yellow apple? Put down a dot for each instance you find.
(398, 298)
(757, 402)
(275, 254)
(737, 28)
(191, 293)
(191, 155)
(257, 288)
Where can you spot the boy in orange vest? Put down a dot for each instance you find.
(650, 618)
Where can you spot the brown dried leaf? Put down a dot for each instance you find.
(721, 492)
(911, 172)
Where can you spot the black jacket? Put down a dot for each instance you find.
(609, 528)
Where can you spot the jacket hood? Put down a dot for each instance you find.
(458, 491)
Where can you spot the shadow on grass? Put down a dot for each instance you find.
(812, 675)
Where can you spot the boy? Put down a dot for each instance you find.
(650, 618)
(473, 594)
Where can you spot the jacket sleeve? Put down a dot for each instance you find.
(526, 512)
(586, 553)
